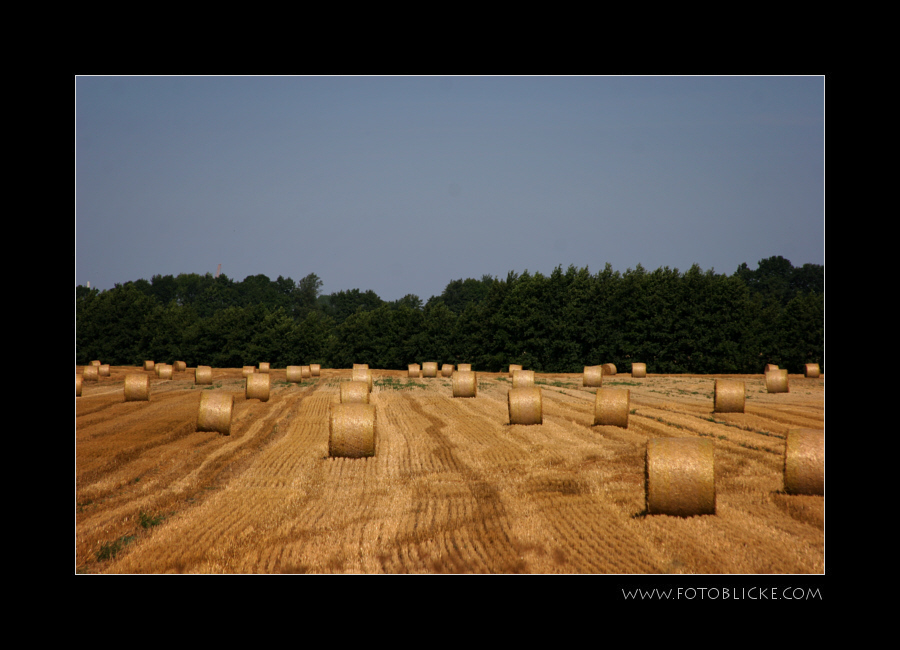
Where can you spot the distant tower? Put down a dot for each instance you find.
(218, 270)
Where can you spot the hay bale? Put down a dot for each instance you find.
(215, 412)
(180, 366)
(103, 370)
(812, 370)
(777, 381)
(355, 392)
(351, 431)
(247, 371)
(638, 370)
(295, 374)
(96, 362)
(264, 367)
(680, 477)
(592, 377)
(804, 462)
(363, 375)
(447, 370)
(148, 365)
(157, 368)
(91, 373)
(203, 376)
(79, 380)
(429, 369)
(770, 366)
(525, 406)
(259, 386)
(611, 407)
(315, 369)
(360, 366)
(137, 388)
(464, 367)
(305, 372)
(523, 379)
(729, 396)
(512, 368)
(165, 370)
(609, 368)
(464, 384)
(413, 370)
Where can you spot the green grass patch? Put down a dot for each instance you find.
(109, 550)
(149, 520)
(392, 383)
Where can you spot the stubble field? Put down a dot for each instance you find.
(453, 488)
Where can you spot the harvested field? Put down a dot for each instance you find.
(453, 488)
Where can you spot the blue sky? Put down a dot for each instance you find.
(402, 184)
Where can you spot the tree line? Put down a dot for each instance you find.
(676, 322)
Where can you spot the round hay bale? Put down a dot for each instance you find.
(593, 377)
(770, 366)
(264, 367)
(103, 370)
(165, 370)
(91, 373)
(180, 366)
(148, 365)
(804, 462)
(525, 406)
(729, 396)
(611, 407)
(259, 386)
(78, 382)
(429, 369)
(609, 368)
(523, 379)
(680, 477)
(447, 370)
(362, 374)
(203, 375)
(247, 371)
(315, 369)
(464, 384)
(355, 392)
(295, 374)
(812, 370)
(360, 366)
(512, 368)
(414, 371)
(777, 381)
(351, 431)
(96, 362)
(137, 388)
(215, 412)
(638, 370)
(464, 367)
(305, 372)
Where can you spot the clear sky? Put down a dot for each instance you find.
(402, 184)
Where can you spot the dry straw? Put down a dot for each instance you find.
(96, 362)
(352, 431)
(363, 375)
(729, 396)
(777, 381)
(203, 375)
(680, 477)
(465, 384)
(447, 370)
(259, 386)
(812, 370)
(78, 381)
(593, 376)
(315, 369)
(804, 462)
(305, 372)
(248, 370)
(525, 406)
(264, 367)
(91, 373)
(512, 368)
(464, 367)
(429, 369)
(609, 368)
(611, 407)
(295, 374)
(354, 392)
(638, 370)
(215, 412)
(165, 370)
(148, 365)
(360, 366)
(523, 379)
(137, 388)
(103, 370)
(414, 371)
(180, 366)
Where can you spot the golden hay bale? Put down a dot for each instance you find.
(638, 370)
(523, 379)
(351, 431)
(295, 374)
(729, 396)
(777, 381)
(305, 372)
(165, 370)
(429, 369)
(447, 370)
(103, 370)
(78, 381)
(158, 367)
(464, 367)
(812, 370)
(525, 406)
(355, 392)
(137, 388)
(203, 375)
(259, 386)
(593, 376)
(96, 362)
(148, 365)
(804, 461)
(264, 367)
(180, 366)
(611, 407)
(362, 374)
(414, 370)
(609, 368)
(465, 384)
(680, 477)
(215, 412)
(770, 366)
(360, 366)
(91, 373)
(512, 368)
(315, 369)
(247, 371)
